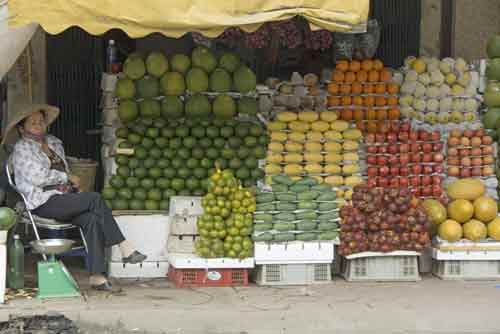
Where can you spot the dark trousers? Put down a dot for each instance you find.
(89, 211)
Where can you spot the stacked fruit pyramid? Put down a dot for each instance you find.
(175, 145)
(302, 210)
(492, 92)
(471, 214)
(363, 90)
(314, 144)
(438, 91)
(226, 224)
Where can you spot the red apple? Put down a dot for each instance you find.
(426, 180)
(435, 136)
(438, 169)
(370, 138)
(394, 171)
(403, 137)
(464, 152)
(403, 182)
(404, 127)
(393, 160)
(404, 171)
(453, 171)
(416, 192)
(423, 135)
(427, 147)
(372, 182)
(438, 157)
(416, 158)
(381, 160)
(438, 147)
(413, 136)
(380, 137)
(372, 149)
(383, 182)
(393, 149)
(476, 171)
(426, 191)
(394, 126)
(383, 171)
(427, 157)
(392, 137)
(416, 169)
(371, 159)
(437, 191)
(394, 182)
(404, 148)
(382, 149)
(436, 179)
(465, 172)
(427, 170)
(415, 181)
(372, 171)
(404, 159)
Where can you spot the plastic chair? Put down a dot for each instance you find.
(52, 225)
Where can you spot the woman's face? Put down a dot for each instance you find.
(35, 124)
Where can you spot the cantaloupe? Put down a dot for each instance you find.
(467, 188)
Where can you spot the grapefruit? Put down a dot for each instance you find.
(450, 230)
(475, 230)
(494, 229)
(460, 210)
(485, 209)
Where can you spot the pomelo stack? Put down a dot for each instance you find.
(363, 90)
(302, 210)
(315, 144)
(492, 92)
(439, 91)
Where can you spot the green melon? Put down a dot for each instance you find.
(172, 83)
(198, 106)
(220, 81)
(224, 107)
(493, 69)
(125, 89)
(148, 86)
(156, 64)
(128, 111)
(134, 67)
(203, 58)
(172, 107)
(150, 108)
(493, 46)
(197, 80)
(491, 117)
(248, 106)
(229, 61)
(244, 80)
(180, 63)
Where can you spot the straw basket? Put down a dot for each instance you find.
(85, 169)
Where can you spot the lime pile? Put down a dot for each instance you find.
(226, 224)
(147, 79)
(176, 158)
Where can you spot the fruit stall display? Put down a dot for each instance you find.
(226, 224)
(383, 220)
(470, 213)
(363, 90)
(300, 92)
(439, 91)
(491, 96)
(406, 157)
(471, 152)
(302, 210)
(315, 144)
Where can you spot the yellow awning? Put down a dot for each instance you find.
(174, 18)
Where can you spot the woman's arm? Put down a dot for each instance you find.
(33, 170)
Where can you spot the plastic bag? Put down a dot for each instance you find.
(367, 43)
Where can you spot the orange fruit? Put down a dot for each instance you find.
(347, 114)
(345, 89)
(367, 64)
(373, 76)
(371, 114)
(337, 76)
(333, 101)
(350, 77)
(371, 127)
(392, 100)
(342, 65)
(380, 88)
(333, 88)
(368, 88)
(356, 88)
(385, 75)
(346, 101)
(362, 76)
(378, 64)
(381, 114)
(369, 101)
(355, 66)
(392, 88)
(394, 114)
(358, 114)
(357, 100)
(380, 101)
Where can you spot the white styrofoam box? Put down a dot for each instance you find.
(191, 261)
(399, 266)
(186, 225)
(147, 233)
(294, 252)
(466, 269)
(185, 206)
(108, 82)
(141, 270)
(3, 272)
(466, 255)
(293, 274)
(181, 244)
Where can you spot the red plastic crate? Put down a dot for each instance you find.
(191, 278)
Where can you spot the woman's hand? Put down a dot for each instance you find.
(75, 180)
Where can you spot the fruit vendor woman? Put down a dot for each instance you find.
(41, 173)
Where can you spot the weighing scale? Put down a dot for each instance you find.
(54, 279)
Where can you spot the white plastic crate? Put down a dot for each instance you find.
(389, 267)
(185, 206)
(293, 274)
(466, 269)
(183, 225)
(141, 270)
(3, 272)
(183, 244)
(147, 233)
(467, 255)
(191, 261)
(294, 252)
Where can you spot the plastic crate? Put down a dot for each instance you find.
(180, 225)
(390, 267)
(140, 270)
(185, 206)
(466, 269)
(183, 244)
(190, 278)
(298, 252)
(293, 274)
